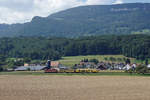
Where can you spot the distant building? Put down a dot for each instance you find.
(127, 67)
(31, 68)
(26, 64)
(102, 67)
(55, 64)
(134, 65)
(148, 66)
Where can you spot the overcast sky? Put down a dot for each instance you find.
(19, 11)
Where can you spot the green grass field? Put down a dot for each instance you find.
(72, 60)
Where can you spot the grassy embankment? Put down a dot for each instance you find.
(103, 73)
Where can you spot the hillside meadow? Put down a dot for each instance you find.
(72, 60)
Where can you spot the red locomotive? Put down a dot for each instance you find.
(49, 69)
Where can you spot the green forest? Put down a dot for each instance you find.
(43, 48)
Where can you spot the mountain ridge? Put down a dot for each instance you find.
(89, 20)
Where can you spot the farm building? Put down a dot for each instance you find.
(32, 68)
(55, 64)
(26, 64)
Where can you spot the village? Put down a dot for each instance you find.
(84, 64)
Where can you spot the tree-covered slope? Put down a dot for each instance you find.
(87, 20)
(43, 48)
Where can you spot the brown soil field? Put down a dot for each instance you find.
(74, 88)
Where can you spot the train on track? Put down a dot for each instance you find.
(49, 69)
(53, 70)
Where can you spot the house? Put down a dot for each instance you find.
(26, 64)
(86, 65)
(55, 64)
(148, 66)
(127, 67)
(134, 65)
(101, 66)
(119, 66)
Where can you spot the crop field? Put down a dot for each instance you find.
(54, 87)
(72, 60)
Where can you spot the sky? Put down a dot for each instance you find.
(20, 11)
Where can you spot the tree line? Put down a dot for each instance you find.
(53, 48)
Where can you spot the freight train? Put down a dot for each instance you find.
(53, 70)
(79, 71)
(49, 69)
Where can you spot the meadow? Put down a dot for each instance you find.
(72, 60)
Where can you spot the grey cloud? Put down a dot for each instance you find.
(17, 5)
(18, 11)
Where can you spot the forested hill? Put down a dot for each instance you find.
(86, 21)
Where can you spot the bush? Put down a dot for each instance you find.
(94, 61)
(119, 59)
(112, 59)
(142, 69)
(131, 70)
(105, 58)
(1, 68)
(128, 61)
(85, 60)
(29, 69)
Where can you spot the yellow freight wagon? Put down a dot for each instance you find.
(78, 71)
(69, 71)
(86, 70)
